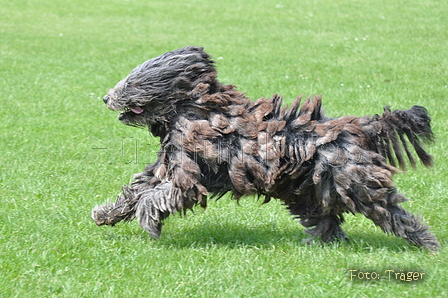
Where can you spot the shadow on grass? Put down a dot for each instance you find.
(234, 235)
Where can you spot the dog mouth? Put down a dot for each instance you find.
(131, 116)
(129, 110)
(111, 105)
(137, 110)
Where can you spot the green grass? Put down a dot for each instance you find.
(58, 58)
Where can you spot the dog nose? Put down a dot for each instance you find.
(106, 99)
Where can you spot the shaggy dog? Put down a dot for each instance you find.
(215, 140)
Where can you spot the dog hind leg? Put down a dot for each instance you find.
(379, 203)
(363, 184)
(327, 228)
(394, 219)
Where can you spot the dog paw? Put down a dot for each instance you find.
(309, 241)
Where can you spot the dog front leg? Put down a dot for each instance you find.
(150, 205)
(122, 209)
(125, 206)
(156, 204)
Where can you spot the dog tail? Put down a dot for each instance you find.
(415, 124)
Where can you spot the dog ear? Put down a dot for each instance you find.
(199, 90)
(181, 83)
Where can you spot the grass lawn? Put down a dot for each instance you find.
(57, 60)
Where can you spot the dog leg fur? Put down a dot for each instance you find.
(401, 223)
(327, 228)
(122, 209)
(156, 204)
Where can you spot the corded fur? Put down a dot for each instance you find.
(214, 140)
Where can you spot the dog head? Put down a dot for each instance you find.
(150, 93)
